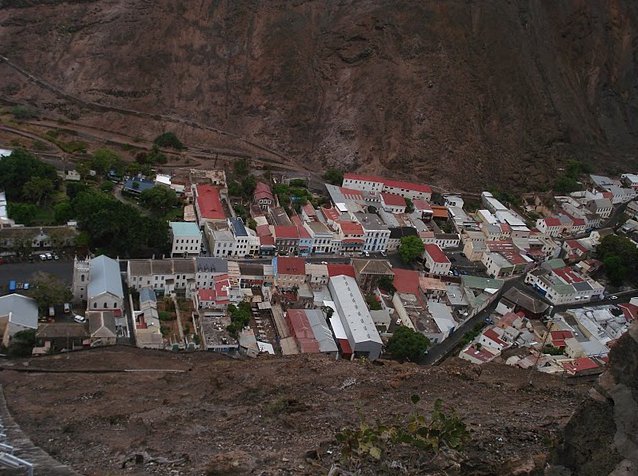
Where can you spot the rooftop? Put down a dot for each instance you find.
(184, 229)
(290, 265)
(104, 277)
(393, 200)
(209, 202)
(436, 253)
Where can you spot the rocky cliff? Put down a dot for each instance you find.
(460, 93)
(602, 436)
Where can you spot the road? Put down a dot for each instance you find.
(23, 272)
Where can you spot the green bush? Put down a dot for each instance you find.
(169, 139)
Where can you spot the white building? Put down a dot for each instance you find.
(99, 283)
(393, 203)
(435, 260)
(363, 337)
(371, 183)
(186, 237)
(375, 233)
(165, 276)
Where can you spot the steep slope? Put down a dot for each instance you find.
(275, 416)
(459, 93)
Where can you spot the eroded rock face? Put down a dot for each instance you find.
(465, 94)
(602, 436)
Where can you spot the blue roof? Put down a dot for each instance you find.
(147, 294)
(144, 184)
(238, 226)
(104, 277)
(184, 229)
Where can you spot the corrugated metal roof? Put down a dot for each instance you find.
(104, 277)
(22, 310)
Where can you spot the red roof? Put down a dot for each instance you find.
(421, 205)
(209, 202)
(286, 231)
(552, 222)
(482, 354)
(559, 337)
(331, 213)
(267, 240)
(363, 177)
(351, 193)
(436, 253)
(262, 191)
(406, 280)
(303, 233)
(302, 331)
(351, 227)
(346, 350)
(291, 265)
(263, 230)
(340, 269)
(393, 200)
(579, 365)
(576, 245)
(578, 222)
(492, 335)
(439, 211)
(568, 275)
(309, 210)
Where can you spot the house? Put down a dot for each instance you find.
(563, 285)
(398, 232)
(17, 313)
(165, 276)
(208, 269)
(263, 196)
(102, 329)
(208, 204)
(147, 326)
(601, 207)
(186, 238)
(491, 203)
(290, 272)
(393, 203)
(574, 250)
(308, 212)
(305, 239)
(310, 331)
(494, 339)
(98, 282)
(629, 180)
(55, 337)
(478, 354)
(422, 209)
(375, 233)
(286, 239)
(351, 236)
(435, 260)
(551, 226)
(363, 338)
(317, 275)
(321, 236)
(216, 296)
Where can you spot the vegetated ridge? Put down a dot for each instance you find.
(461, 94)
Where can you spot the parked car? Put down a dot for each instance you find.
(51, 311)
(48, 256)
(26, 286)
(79, 319)
(55, 257)
(43, 257)
(67, 308)
(613, 298)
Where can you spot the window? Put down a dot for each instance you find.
(105, 305)
(94, 305)
(114, 305)
(82, 278)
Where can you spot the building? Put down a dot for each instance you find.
(317, 275)
(371, 183)
(435, 260)
(263, 197)
(165, 276)
(393, 203)
(27, 239)
(564, 285)
(363, 338)
(368, 272)
(102, 328)
(59, 336)
(376, 234)
(148, 332)
(208, 205)
(290, 272)
(137, 185)
(310, 331)
(398, 232)
(216, 296)
(351, 236)
(321, 236)
(186, 237)
(99, 283)
(17, 313)
(286, 239)
(601, 207)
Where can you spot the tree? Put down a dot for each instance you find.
(169, 139)
(410, 249)
(372, 302)
(105, 160)
(248, 185)
(22, 213)
(63, 212)
(49, 290)
(22, 344)
(240, 167)
(239, 317)
(615, 269)
(251, 223)
(333, 176)
(38, 190)
(386, 283)
(107, 187)
(406, 344)
(159, 199)
(18, 169)
(620, 257)
(409, 205)
(23, 112)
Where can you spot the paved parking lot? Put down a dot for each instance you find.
(23, 272)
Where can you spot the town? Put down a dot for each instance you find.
(249, 262)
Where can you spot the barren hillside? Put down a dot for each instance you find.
(461, 93)
(276, 416)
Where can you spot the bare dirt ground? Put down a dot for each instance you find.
(222, 416)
